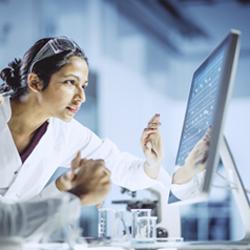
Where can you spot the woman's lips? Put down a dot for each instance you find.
(73, 109)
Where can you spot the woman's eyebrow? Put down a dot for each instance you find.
(72, 75)
(75, 76)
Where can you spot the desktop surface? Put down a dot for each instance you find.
(193, 245)
(220, 245)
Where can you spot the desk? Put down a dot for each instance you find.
(150, 246)
(63, 246)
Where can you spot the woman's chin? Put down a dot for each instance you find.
(66, 118)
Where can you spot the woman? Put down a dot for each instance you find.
(38, 131)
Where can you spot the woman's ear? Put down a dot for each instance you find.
(35, 84)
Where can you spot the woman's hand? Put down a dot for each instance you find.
(89, 180)
(198, 156)
(151, 142)
(195, 161)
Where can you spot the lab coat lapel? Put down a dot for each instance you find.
(36, 170)
(10, 161)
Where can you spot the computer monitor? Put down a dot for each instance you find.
(209, 94)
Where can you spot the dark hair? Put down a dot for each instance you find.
(16, 74)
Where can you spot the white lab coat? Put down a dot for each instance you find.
(56, 148)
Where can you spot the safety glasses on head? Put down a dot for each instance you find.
(54, 46)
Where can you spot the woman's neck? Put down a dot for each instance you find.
(26, 117)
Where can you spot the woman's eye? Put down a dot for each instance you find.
(71, 82)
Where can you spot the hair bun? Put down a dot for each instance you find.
(11, 74)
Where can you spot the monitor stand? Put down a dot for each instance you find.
(237, 186)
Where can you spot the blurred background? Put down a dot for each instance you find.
(142, 55)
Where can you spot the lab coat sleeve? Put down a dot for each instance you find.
(50, 191)
(190, 189)
(126, 169)
(37, 216)
(5, 112)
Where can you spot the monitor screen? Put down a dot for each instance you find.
(201, 134)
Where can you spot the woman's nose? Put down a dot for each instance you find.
(81, 94)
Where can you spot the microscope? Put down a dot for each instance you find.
(156, 199)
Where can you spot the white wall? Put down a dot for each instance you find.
(22, 19)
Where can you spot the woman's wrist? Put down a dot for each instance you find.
(182, 175)
(152, 170)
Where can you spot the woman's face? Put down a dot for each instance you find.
(66, 90)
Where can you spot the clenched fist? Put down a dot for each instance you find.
(89, 180)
